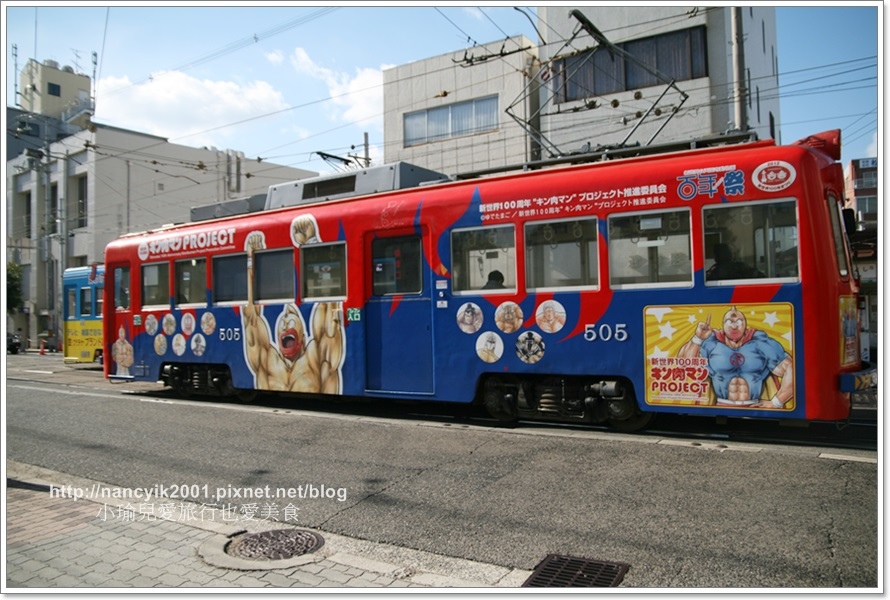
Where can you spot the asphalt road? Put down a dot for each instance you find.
(683, 514)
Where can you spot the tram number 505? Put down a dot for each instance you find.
(605, 332)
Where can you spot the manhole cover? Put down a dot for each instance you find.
(275, 545)
(571, 571)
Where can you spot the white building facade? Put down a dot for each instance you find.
(602, 77)
(69, 194)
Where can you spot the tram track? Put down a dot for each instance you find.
(857, 433)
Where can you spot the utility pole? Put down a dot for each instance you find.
(738, 70)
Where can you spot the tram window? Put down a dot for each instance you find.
(323, 270)
(561, 254)
(840, 241)
(71, 304)
(750, 242)
(230, 278)
(155, 284)
(396, 265)
(477, 254)
(122, 288)
(191, 281)
(652, 248)
(100, 300)
(86, 302)
(273, 274)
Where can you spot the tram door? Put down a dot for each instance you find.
(398, 317)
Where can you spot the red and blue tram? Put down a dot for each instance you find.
(711, 281)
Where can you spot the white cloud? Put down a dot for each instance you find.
(358, 97)
(175, 105)
(276, 57)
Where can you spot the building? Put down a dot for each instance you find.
(861, 197)
(449, 113)
(72, 186)
(601, 77)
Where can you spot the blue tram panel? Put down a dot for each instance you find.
(83, 296)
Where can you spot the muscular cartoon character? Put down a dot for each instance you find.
(293, 362)
(508, 317)
(740, 360)
(122, 353)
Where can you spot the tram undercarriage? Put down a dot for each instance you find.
(550, 398)
(564, 399)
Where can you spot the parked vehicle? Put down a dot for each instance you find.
(13, 343)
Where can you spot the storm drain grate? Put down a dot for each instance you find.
(572, 571)
(275, 545)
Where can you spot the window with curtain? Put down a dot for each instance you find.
(451, 121)
(678, 55)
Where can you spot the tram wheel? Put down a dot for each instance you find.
(639, 420)
(246, 396)
(498, 405)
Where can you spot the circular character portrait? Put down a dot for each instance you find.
(160, 344)
(151, 324)
(508, 317)
(199, 344)
(489, 347)
(169, 324)
(530, 347)
(179, 344)
(550, 316)
(469, 317)
(188, 323)
(208, 323)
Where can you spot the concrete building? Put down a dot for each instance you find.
(601, 77)
(71, 190)
(449, 113)
(861, 196)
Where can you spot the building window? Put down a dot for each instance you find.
(53, 89)
(678, 56)
(455, 120)
(82, 201)
(28, 128)
(867, 204)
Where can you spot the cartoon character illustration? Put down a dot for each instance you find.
(122, 353)
(293, 362)
(530, 347)
(304, 230)
(469, 318)
(740, 360)
(551, 316)
(489, 347)
(508, 317)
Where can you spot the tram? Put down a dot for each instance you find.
(713, 279)
(83, 292)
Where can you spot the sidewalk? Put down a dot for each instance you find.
(63, 543)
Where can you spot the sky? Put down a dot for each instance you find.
(285, 81)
